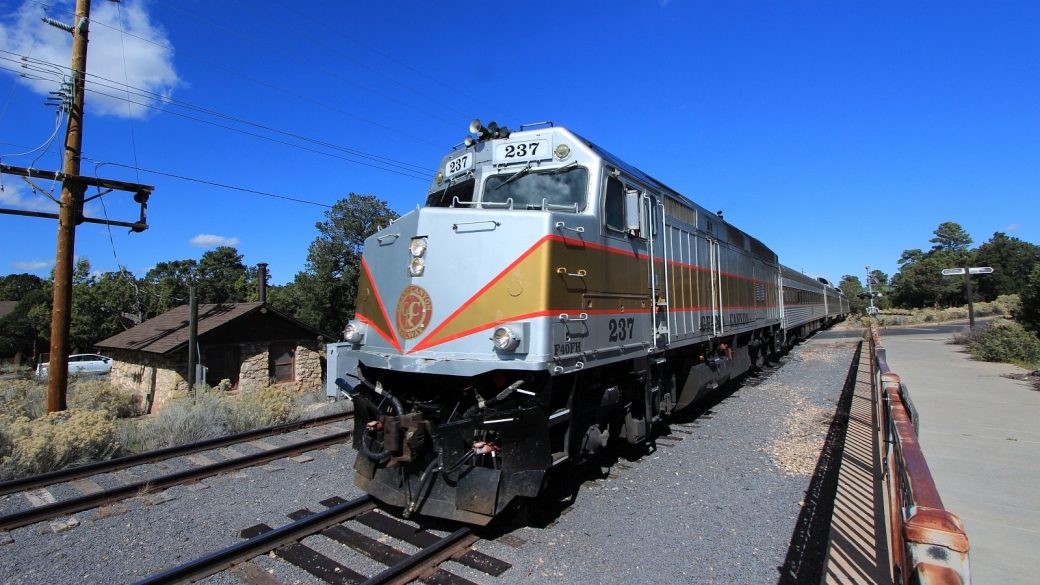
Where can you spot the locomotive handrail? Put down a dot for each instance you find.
(929, 545)
(385, 236)
(578, 274)
(455, 226)
(507, 204)
(565, 318)
(455, 201)
(562, 225)
(522, 126)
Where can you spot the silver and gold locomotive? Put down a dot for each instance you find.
(547, 299)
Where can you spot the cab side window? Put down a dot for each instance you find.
(614, 205)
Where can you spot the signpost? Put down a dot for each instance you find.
(967, 272)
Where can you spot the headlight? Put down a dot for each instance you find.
(505, 338)
(418, 247)
(417, 267)
(439, 177)
(353, 333)
(563, 151)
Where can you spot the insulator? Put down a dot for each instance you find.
(65, 27)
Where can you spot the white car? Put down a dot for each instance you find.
(83, 363)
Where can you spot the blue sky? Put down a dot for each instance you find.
(839, 133)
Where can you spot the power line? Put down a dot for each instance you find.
(99, 163)
(258, 81)
(303, 62)
(140, 92)
(347, 57)
(36, 36)
(126, 81)
(275, 140)
(433, 79)
(214, 184)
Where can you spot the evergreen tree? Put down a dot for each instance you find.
(1012, 261)
(950, 237)
(324, 294)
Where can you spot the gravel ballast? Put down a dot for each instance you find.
(718, 506)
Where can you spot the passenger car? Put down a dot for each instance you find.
(83, 363)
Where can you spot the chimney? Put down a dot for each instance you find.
(262, 277)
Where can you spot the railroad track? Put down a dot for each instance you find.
(47, 510)
(337, 524)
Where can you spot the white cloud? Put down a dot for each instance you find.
(1011, 227)
(32, 265)
(17, 194)
(148, 66)
(211, 241)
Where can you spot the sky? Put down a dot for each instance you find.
(838, 133)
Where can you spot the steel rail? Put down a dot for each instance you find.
(24, 518)
(220, 560)
(81, 471)
(414, 566)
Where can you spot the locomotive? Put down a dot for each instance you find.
(547, 299)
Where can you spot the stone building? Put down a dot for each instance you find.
(251, 345)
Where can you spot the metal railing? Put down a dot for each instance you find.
(928, 543)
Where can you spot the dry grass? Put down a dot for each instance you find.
(97, 427)
(797, 449)
(103, 512)
(1004, 306)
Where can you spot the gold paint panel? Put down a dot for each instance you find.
(368, 304)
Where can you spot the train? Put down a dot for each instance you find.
(546, 299)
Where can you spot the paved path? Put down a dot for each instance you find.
(981, 437)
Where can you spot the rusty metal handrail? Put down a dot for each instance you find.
(928, 543)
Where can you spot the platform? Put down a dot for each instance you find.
(980, 435)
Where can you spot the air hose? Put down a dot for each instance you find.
(378, 389)
(379, 457)
(481, 405)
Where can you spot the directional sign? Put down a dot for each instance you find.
(956, 271)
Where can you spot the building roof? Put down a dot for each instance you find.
(6, 307)
(169, 332)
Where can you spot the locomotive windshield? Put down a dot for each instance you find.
(560, 189)
(463, 190)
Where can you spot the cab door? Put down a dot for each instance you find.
(652, 207)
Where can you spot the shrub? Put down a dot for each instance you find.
(1006, 342)
(55, 441)
(966, 336)
(1028, 313)
(182, 421)
(268, 406)
(22, 399)
(117, 402)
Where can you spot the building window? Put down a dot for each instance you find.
(283, 362)
(222, 364)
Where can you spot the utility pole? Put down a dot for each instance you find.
(193, 339)
(69, 217)
(73, 188)
(870, 291)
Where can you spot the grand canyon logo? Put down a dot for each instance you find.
(414, 311)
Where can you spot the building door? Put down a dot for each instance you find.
(222, 364)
